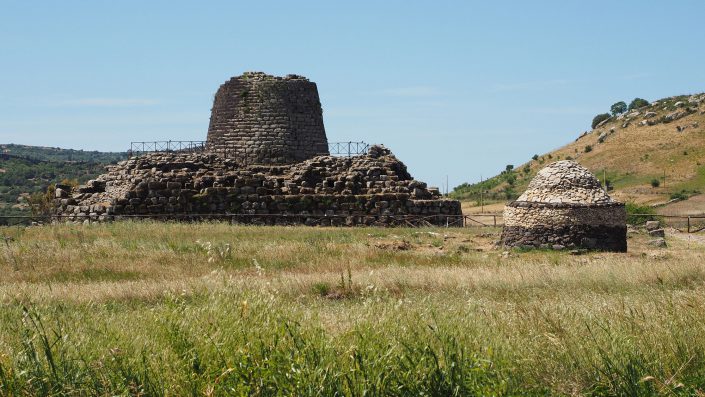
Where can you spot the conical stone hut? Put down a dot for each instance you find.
(565, 207)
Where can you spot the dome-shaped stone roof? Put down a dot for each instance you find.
(565, 181)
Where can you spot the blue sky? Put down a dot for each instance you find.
(457, 88)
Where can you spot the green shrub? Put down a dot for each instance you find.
(638, 214)
(509, 193)
(655, 182)
(679, 196)
(684, 194)
(638, 103)
(535, 157)
(599, 118)
(588, 149)
(321, 288)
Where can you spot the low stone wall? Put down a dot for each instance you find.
(231, 203)
(560, 225)
(374, 189)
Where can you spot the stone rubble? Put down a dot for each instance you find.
(367, 189)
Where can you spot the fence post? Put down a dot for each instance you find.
(688, 224)
(494, 220)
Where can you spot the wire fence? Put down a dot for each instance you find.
(438, 220)
(682, 223)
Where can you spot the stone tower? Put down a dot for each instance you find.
(262, 119)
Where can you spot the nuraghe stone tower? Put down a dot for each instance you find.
(565, 207)
(266, 162)
(262, 119)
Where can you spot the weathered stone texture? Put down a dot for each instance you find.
(565, 206)
(266, 162)
(373, 189)
(262, 119)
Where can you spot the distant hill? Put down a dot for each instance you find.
(648, 155)
(25, 170)
(58, 154)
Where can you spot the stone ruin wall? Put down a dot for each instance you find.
(262, 119)
(266, 162)
(565, 225)
(373, 189)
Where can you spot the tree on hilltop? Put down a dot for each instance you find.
(599, 118)
(618, 108)
(638, 103)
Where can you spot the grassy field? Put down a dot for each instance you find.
(214, 309)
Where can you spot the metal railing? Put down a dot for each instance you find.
(138, 148)
(347, 149)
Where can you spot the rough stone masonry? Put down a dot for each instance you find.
(262, 119)
(565, 207)
(281, 173)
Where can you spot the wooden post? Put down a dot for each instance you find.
(482, 201)
(494, 218)
(688, 224)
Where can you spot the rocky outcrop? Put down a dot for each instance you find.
(565, 207)
(372, 189)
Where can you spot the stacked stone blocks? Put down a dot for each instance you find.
(262, 119)
(565, 207)
(373, 189)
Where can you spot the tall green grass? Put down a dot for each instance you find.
(144, 309)
(239, 344)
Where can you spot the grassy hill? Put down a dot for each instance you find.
(25, 170)
(660, 144)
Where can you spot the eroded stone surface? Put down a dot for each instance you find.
(266, 161)
(375, 188)
(565, 182)
(262, 119)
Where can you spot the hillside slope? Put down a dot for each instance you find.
(661, 144)
(25, 170)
